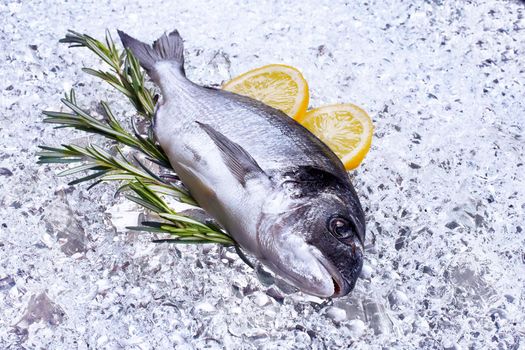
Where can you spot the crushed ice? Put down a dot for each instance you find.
(443, 185)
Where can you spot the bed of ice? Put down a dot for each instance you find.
(443, 185)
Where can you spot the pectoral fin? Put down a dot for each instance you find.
(241, 163)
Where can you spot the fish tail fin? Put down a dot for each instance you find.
(166, 48)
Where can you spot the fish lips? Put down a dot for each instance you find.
(342, 285)
(327, 282)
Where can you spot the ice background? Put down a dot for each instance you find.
(443, 185)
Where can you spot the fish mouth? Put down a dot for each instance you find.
(341, 286)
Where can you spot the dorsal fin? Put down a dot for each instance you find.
(241, 163)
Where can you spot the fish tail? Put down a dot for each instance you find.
(166, 48)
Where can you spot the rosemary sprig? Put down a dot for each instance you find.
(147, 186)
(109, 128)
(140, 183)
(186, 229)
(108, 168)
(126, 75)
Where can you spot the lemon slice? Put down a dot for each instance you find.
(345, 128)
(282, 87)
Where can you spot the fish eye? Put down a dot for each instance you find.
(340, 228)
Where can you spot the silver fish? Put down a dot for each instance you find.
(279, 191)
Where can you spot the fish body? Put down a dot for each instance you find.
(281, 193)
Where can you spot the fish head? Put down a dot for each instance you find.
(314, 238)
(337, 231)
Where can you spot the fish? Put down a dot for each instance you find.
(277, 189)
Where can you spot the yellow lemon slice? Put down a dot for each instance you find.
(345, 128)
(282, 87)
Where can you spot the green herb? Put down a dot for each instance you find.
(140, 184)
(125, 75)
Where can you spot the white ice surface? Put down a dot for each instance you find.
(443, 185)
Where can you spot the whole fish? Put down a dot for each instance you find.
(279, 191)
